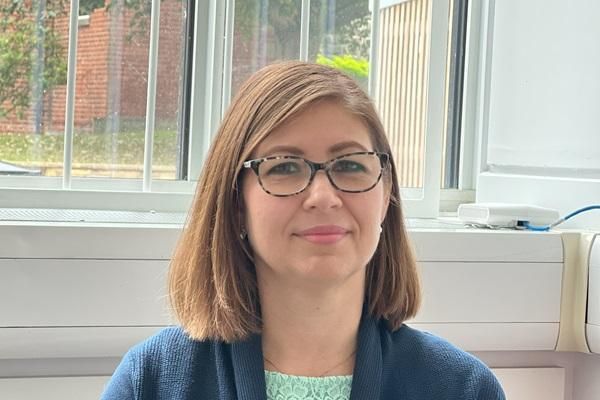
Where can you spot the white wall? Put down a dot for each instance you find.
(542, 105)
(581, 370)
(539, 130)
(545, 85)
(586, 385)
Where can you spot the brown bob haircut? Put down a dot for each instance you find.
(212, 279)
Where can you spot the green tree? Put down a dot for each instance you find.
(86, 7)
(280, 20)
(32, 56)
(354, 37)
(277, 20)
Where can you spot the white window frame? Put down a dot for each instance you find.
(470, 124)
(472, 120)
(211, 66)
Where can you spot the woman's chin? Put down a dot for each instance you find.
(326, 273)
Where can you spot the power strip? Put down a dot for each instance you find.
(502, 215)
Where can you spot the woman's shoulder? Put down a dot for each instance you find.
(161, 365)
(171, 335)
(168, 344)
(427, 348)
(427, 359)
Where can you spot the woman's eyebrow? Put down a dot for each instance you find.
(284, 149)
(336, 148)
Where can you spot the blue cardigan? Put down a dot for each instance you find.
(406, 364)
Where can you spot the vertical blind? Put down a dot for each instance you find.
(402, 89)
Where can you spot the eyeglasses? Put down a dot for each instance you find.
(289, 175)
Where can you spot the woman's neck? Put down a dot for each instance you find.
(311, 333)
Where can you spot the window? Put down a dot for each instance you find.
(454, 94)
(338, 34)
(110, 90)
(399, 54)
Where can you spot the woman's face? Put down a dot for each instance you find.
(321, 235)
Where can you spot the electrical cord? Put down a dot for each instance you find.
(526, 225)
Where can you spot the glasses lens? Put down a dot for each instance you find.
(356, 172)
(284, 176)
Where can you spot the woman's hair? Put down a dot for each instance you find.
(212, 280)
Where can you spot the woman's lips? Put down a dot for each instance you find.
(324, 234)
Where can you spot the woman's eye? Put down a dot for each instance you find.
(348, 166)
(284, 168)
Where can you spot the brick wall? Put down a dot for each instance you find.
(111, 78)
(170, 59)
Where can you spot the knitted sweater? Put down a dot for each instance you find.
(405, 364)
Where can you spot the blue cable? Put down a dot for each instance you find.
(526, 225)
(535, 228)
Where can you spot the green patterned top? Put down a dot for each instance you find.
(291, 387)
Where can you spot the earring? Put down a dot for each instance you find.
(243, 234)
(380, 229)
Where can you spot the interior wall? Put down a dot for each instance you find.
(545, 86)
(586, 385)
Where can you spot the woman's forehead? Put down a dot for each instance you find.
(321, 128)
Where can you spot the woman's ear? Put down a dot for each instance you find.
(241, 214)
(243, 229)
(387, 187)
(384, 211)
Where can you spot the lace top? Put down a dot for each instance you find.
(291, 387)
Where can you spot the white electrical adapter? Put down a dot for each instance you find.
(503, 215)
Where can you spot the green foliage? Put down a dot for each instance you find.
(86, 7)
(355, 36)
(357, 68)
(24, 31)
(279, 22)
(140, 20)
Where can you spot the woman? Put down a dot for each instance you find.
(294, 274)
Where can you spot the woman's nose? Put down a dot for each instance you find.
(321, 193)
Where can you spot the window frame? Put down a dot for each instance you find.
(456, 69)
(129, 194)
(477, 47)
(206, 107)
(425, 202)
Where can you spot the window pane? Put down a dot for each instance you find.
(111, 89)
(33, 62)
(264, 31)
(340, 33)
(340, 36)
(170, 90)
(110, 92)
